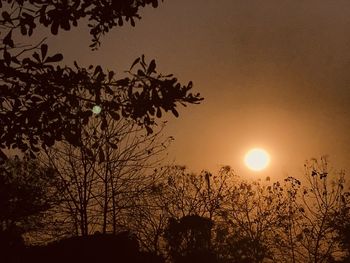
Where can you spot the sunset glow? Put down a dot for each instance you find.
(257, 159)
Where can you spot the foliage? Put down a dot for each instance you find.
(42, 102)
(122, 247)
(101, 15)
(253, 221)
(189, 239)
(248, 215)
(26, 193)
(176, 193)
(311, 205)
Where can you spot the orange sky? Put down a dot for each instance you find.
(274, 74)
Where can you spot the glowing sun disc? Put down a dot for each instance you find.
(257, 159)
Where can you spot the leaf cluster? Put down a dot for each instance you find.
(43, 103)
(101, 15)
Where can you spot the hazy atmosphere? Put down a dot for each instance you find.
(175, 131)
(274, 74)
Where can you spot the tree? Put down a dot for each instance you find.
(341, 225)
(253, 221)
(189, 239)
(305, 232)
(103, 179)
(122, 247)
(26, 193)
(42, 102)
(175, 194)
(248, 217)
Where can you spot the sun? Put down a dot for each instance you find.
(257, 159)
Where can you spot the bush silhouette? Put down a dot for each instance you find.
(122, 247)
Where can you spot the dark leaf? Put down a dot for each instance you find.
(110, 75)
(7, 57)
(140, 73)
(54, 27)
(114, 115)
(23, 30)
(36, 56)
(15, 60)
(159, 113)
(8, 39)
(135, 62)
(104, 124)
(149, 130)
(113, 145)
(151, 67)
(98, 70)
(54, 58)
(123, 82)
(43, 51)
(7, 17)
(132, 22)
(174, 111)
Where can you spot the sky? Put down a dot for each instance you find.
(274, 74)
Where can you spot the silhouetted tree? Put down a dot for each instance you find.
(253, 220)
(306, 234)
(100, 188)
(202, 194)
(26, 192)
(341, 225)
(189, 239)
(122, 247)
(42, 103)
(248, 217)
(176, 193)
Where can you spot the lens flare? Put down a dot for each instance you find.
(96, 109)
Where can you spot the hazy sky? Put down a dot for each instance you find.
(274, 74)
